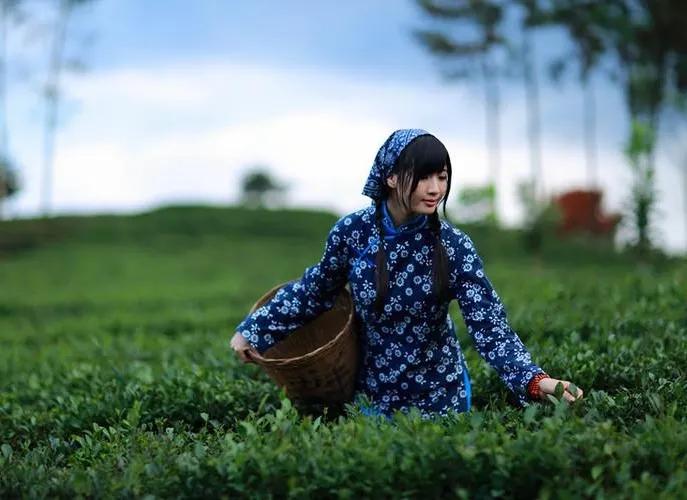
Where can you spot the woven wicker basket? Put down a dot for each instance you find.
(318, 362)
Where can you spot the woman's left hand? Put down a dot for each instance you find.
(548, 386)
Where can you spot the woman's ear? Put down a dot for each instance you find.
(391, 181)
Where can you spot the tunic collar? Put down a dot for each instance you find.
(412, 225)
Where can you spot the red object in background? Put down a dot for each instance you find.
(581, 212)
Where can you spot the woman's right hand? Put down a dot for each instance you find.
(240, 345)
(548, 386)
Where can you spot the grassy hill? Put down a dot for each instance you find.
(116, 377)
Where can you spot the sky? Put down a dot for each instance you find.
(176, 104)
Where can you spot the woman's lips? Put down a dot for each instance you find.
(429, 203)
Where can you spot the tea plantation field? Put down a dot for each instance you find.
(117, 380)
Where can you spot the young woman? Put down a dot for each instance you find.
(404, 265)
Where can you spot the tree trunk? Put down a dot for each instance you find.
(533, 117)
(492, 127)
(590, 135)
(3, 109)
(3, 78)
(51, 103)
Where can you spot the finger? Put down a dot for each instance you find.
(240, 354)
(248, 353)
(566, 387)
(574, 397)
(578, 394)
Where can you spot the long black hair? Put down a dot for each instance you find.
(423, 156)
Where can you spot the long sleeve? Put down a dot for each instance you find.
(302, 300)
(485, 318)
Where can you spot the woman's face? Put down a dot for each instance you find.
(429, 192)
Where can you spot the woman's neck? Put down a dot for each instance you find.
(398, 214)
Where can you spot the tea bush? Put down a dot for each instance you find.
(116, 376)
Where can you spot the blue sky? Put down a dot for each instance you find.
(179, 102)
(350, 36)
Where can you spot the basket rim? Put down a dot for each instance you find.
(282, 361)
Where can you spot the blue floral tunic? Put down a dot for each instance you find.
(410, 353)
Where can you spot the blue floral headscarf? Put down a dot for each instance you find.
(386, 160)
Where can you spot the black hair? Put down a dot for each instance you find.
(423, 156)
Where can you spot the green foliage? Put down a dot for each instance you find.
(643, 198)
(477, 204)
(171, 225)
(117, 380)
(9, 180)
(541, 218)
(258, 186)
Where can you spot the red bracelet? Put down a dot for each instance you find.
(533, 385)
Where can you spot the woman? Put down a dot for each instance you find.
(401, 291)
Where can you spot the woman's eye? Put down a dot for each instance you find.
(441, 177)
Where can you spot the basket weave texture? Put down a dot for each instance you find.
(318, 362)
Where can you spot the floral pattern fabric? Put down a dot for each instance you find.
(410, 355)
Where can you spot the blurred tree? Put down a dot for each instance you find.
(58, 62)
(259, 189)
(475, 55)
(9, 183)
(529, 73)
(643, 195)
(541, 217)
(647, 42)
(678, 154)
(676, 119)
(586, 54)
(490, 53)
(9, 11)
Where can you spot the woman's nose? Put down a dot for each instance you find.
(433, 185)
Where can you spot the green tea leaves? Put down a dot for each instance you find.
(116, 379)
(572, 389)
(559, 390)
